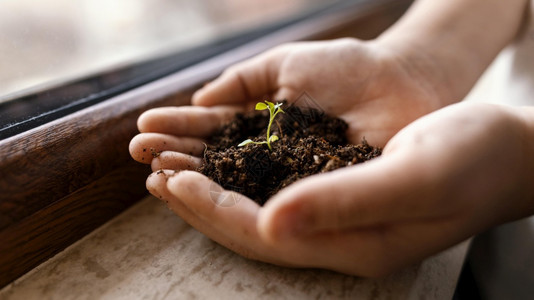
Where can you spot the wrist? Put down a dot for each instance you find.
(525, 116)
(423, 66)
(516, 151)
(492, 178)
(451, 39)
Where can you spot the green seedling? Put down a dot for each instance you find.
(274, 109)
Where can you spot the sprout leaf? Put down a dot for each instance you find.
(273, 138)
(261, 106)
(245, 142)
(271, 106)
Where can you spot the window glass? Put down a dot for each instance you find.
(49, 42)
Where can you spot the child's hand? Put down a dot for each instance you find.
(376, 92)
(364, 83)
(440, 180)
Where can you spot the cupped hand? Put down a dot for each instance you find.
(423, 195)
(440, 180)
(376, 90)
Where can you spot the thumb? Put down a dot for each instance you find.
(384, 190)
(246, 81)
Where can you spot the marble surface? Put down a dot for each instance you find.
(149, 253)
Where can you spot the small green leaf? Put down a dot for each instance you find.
(245, 142)
(271, 105)
(278, 105)
(273, 138)
(261, 106)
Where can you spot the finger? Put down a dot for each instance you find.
(246, 81)
(285, 93)
(145, 146)
(211, 202)
(157, 186)
(156, 183)
(230, 212)
(361, 252)
(379, 251)
(377, 192)
(190, 121)
(171, 160)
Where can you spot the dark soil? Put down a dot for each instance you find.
(310, 142)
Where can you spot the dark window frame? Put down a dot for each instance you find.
(31, 109)
(64, 178)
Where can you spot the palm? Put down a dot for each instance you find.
(363, 84)
(371, 98)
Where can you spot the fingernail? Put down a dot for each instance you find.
(167, 173)
(155, 183)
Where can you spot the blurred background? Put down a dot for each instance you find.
(49, 42)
